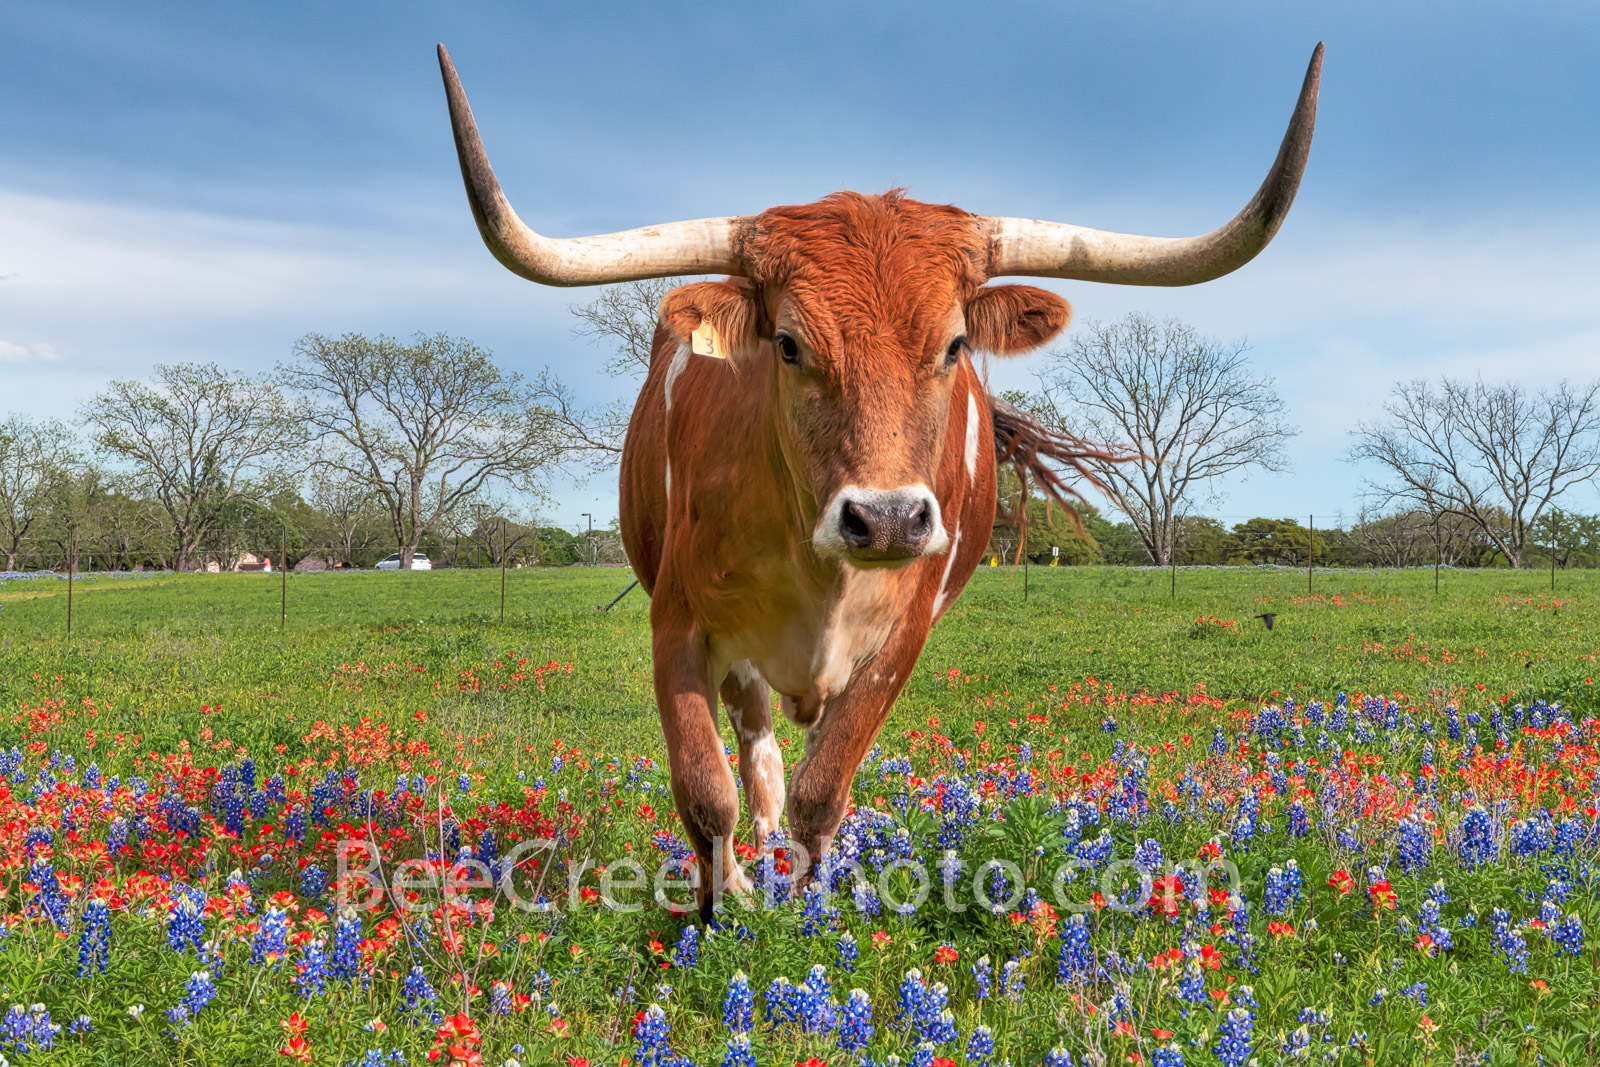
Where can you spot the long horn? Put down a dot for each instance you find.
(1060, 250)
(699, 246)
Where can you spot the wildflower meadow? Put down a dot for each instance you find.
(1103, 825)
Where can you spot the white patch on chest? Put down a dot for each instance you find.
(862, 618)
(949, 565)
(972, 439)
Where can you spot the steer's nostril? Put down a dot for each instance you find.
(853, 526)
(921, 524)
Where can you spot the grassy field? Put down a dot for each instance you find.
(1412, 867)
(153, 651)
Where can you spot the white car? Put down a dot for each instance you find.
(419, 562)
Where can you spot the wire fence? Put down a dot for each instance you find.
(88, 603)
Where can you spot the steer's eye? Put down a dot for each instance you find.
(788, 351)
(953, 353)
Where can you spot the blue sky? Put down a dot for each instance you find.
(182, 182)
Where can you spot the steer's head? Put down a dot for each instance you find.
(866, 306)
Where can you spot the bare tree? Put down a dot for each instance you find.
(347, 511)
(1494, 455)
(425, 425)
(623, 318)
(198, 439)
(34, 455)
(1184, 409)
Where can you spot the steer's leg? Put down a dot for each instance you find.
(749, 703)
(702, 784)
(819, 788)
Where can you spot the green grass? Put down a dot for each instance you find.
(151, 652)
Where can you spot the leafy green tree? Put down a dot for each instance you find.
(1282, 541)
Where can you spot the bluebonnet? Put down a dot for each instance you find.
(815, 917)
(980, 1046)
(739, 1053)
(185, 928)
(49, 899)
(912, 995)
(814, 1008)
(780, 1006)
(1299, 825)
(849, 952)
(28, 1030)
(1477, 845)
(198, 991)
(652, 1031)
(346, 962)
(1013, 980)
(1234, 1035)
(687, 951)
(738, 1005)
(313, 972)
(1282, 888)
(855, 1021)
(1414, 841)
(271, 941)
(1074, 961)
(1510, 943)
(417, 991)
(1569, 934)
(1058, 1057)
(980, 976)
(94, 939)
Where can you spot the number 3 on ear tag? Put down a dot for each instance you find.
(705, 341)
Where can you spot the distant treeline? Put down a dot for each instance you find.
(1404, 539)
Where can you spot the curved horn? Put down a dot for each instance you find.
(1060, 250)
(699, 246)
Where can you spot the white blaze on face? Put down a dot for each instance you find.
(972, 435)
(680, 360)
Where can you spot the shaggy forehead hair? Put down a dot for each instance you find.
(870, 266)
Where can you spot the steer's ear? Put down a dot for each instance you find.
(1011, 319)
(729, 307)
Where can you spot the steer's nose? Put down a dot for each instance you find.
(887, 525)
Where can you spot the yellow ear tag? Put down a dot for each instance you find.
(704, 341)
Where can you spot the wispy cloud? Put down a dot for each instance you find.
(11, 352)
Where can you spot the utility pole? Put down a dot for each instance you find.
(1311, 553)
(1436, 554)
(592, 554)
(1553, 536)
(1172, 553)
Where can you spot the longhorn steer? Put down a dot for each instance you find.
(809, 474)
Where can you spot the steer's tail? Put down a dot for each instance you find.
(1039, 454)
